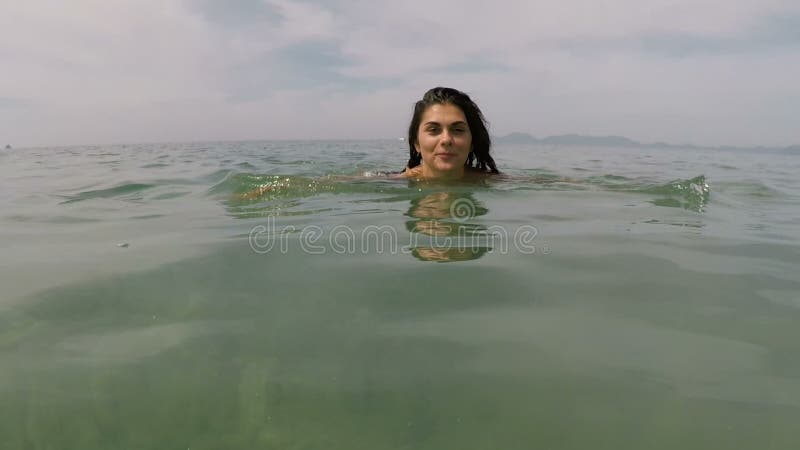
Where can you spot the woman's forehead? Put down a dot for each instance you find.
(443, 113)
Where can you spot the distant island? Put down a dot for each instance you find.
(618, 141)
(8, 146)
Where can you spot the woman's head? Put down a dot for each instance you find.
(448, 132)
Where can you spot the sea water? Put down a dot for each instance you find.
(593, 297)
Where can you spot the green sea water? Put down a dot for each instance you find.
(597, 298)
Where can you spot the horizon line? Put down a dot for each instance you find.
(403, 139)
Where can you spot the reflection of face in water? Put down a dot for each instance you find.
(448, 254)
(444, 216)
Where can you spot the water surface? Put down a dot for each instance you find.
(595, 298)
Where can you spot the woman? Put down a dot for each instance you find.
(448, 138)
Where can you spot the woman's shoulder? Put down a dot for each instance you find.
(413, 172)
(469, 172)
(474, 172)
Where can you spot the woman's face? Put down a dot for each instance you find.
(444, 141)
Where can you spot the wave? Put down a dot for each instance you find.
(692, 194)
(122, 190)
(245, 191)
(257, 187)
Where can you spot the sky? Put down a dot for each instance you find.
(705, 72)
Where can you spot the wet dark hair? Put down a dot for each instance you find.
(479, 157)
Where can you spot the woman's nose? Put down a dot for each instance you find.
(447, 138)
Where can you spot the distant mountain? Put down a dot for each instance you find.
(567, 139)
(516, 138)
(619, 141)
(794, 149)
(577, 139)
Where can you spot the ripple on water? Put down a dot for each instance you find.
(120, 191)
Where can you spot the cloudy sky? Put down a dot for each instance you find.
(123, 71)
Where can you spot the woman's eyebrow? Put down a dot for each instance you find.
(432, 122)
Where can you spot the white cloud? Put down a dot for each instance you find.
(303, 21)
(125, 70)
